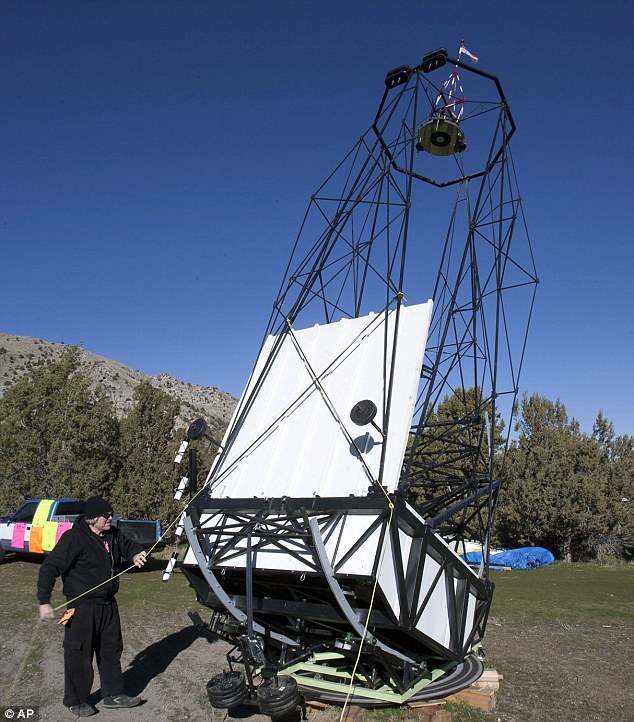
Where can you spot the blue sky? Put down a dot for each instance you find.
(157, 159)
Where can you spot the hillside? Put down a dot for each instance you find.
(19, 354)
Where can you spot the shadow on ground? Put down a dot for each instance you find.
(154, 660)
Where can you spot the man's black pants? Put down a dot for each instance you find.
(94, 629)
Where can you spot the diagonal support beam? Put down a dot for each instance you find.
(343, 603)
(218, 590)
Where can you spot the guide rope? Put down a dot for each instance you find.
(38, 624)
(367, 620)
(132, 566)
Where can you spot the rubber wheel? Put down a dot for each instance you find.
(227, 690)
(278, 696)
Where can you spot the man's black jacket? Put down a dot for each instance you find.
(83, 562)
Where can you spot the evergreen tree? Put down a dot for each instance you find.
(603, 434)
(58, 436)
(618, 455)
(621, 484)
(557, 479)
(146, 484)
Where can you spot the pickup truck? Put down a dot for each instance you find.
(38, 524)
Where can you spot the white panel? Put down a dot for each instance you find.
(190, 558)
(271, 559)
(387, 573)
(338, 545)
(470, 616)
(387, 579)
(434, 621)
(295, 439)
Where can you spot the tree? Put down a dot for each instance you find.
(603, 434)
(618, 455)
(557, 479)
(621, 485)
(58, 435)
(145, 487)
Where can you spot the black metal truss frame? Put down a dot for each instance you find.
(420, 72)
(359, 227)
(351, 258)
(298, 610)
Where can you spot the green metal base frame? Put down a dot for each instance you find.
(326, 675)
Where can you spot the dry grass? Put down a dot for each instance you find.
(561, 636)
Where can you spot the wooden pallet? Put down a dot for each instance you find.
(481, 695)
(490, 679)
(483, 699)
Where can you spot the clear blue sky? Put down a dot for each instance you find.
(157, 158)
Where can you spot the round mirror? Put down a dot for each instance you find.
(196, 429)
(363, 412)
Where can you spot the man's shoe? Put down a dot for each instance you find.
(121, 701)
(83, 710)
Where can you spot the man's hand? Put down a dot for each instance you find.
(139, 559)
(46, 611)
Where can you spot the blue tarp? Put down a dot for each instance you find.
(525, 558)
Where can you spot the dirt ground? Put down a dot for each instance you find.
(165, 660)
(552, 671)
(562, 672)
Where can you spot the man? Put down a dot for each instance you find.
(88, 557)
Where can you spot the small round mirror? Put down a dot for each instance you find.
(363, 412)
(196, 429)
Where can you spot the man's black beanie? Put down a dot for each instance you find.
(96, 506)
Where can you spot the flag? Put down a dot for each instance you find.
(466, 52)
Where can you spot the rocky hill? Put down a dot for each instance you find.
(19, 354)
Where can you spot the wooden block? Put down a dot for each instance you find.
(483, 699)
(490, 679)
(486, 685)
